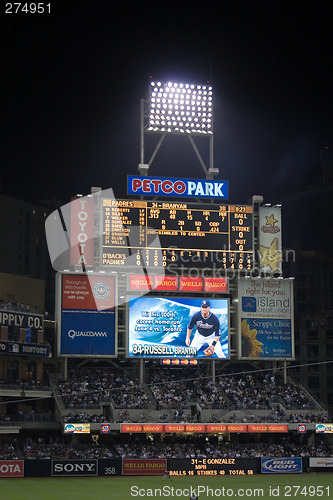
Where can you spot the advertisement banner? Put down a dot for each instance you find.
(176, 327)
(11, 468)
(82, 232)
(25, 349)
(265, 312)
(216, 428)
(237, 428)
(195, 428)
(87, 467)
(281, 465)
(187, 284)
(131, 428)
(178, 187)
(144, 467)
(21, 319)
(77, 428)
(257, 428)
(321, 462)
(140, 282)
(217, 285)
(278, 428)
(166, 283)
(324, 428)
(152, 428)
(170, 284)
(180, 428)
(87, 316)
(174, 427)
(270, 241)
(105, 428)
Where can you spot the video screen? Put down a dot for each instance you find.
(173, 327)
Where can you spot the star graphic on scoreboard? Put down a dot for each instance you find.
(270, 256)
(270, 221)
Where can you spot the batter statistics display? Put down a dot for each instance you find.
(215, 467)
(189, 234)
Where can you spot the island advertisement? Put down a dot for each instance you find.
(265, 318)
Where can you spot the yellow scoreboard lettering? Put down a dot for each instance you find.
(188, 234)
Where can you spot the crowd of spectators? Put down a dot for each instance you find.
(256, 391)
(179, 416)
(83, 418)
(7, 451)
(186, 447)
(15, 306)
(278, 416)
(172, 390)
(28, 416)
(24, 385)
(87, 387)
(58, 449)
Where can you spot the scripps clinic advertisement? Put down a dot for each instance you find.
(174, 327)
(265, 318)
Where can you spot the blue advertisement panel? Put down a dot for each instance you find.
(87, 321)
(171, 327)
(25, 348)
(178, 187)
(281, 465)
(87, 333)
(266, 318)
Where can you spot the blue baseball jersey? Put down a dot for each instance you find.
(205, 326)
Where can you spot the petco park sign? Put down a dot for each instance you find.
(185, 188)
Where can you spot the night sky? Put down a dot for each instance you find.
(72, 80)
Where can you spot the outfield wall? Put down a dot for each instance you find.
(156, 467)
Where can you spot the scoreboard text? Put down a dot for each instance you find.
(189, 234)
(214, 467)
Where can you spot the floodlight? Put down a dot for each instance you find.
(257, 198)
(186, 108)
(143, 168)
(212, 172)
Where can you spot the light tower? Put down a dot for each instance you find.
(181, 109)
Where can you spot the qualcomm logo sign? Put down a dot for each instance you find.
(72, 334)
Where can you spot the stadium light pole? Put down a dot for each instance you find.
(178, 109)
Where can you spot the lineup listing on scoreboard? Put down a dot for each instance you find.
(189, 234)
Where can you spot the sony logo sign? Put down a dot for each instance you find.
(74, 468)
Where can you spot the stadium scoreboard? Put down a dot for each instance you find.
(189, 234)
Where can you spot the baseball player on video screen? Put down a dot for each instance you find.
(207, 331)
